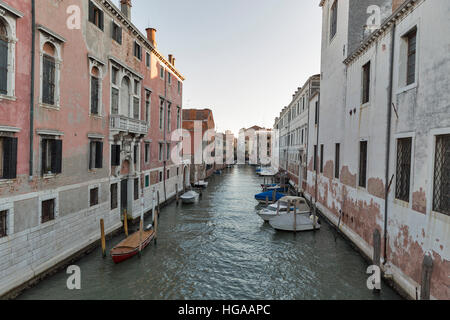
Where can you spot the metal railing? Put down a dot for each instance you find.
(123, 123)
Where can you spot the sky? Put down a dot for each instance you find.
(243, 59)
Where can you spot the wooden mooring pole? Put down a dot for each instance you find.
(177, 195)
(125, 222)
(102, 232)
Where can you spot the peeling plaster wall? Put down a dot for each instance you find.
(414, 230)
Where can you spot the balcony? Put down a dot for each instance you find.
(126, 124)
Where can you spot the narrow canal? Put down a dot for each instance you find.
(220, 249)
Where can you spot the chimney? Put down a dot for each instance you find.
(170, 58)
(396, 4)
(173, 61)
(125, 7)
(151, 36)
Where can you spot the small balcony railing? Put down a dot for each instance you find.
(123, 123)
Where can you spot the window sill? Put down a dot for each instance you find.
(401, 203)
(48, 223)
(365, 105)
(49, 176)
(96, 116)
(7, 97)
(49, 106)
(407, 88)
(6, 182)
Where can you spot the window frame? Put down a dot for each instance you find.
(333, 20)
(137, 50)
(93, 8)
(437, 134)
(409, 180)
(366, 73)
(114, 201)
(52, 196)
(55, 165)
(97, 187)
(362, 170)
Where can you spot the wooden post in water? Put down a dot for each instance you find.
(274, 195)
(125, 222)
(177, 197)
(267, 200)
(102, 232)
(295, 217)
(278, 208)
(141, 224)
(156, 225)
(157, 200)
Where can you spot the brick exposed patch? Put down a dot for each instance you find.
(347, 178)
(376, 187)
(329, 169)
(420, 201)
(125, 169)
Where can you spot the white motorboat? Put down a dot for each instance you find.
(273, 210)
(190, 197)
(201, 184)
(298, 219)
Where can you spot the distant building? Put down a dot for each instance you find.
(257, 143)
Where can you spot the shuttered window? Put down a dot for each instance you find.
(114, 196)
(411, 64)
(115, 155)
(48, 80)
(3, 224)
(48, 210)
(51, 156)
(116, 32)
(114, 101)
(95, 155)
(8, 158)
(137, 51)
(95, 89)
(403, 169)
(3, 65)
(136, 188)
(95, 15)
(363, 164)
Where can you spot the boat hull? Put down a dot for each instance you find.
(287, 222)
(123, 251)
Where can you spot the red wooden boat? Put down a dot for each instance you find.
(130, 246)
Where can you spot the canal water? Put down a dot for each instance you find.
(220, 249)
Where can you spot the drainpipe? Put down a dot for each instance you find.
(388, 139)
(317, 164)
(33, 36)
(165, 142)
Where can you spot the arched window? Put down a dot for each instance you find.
(48, 74)
(3, 58)
(125, 97)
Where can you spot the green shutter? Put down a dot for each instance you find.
(9, 158)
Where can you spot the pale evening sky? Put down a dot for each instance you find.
(241, 58)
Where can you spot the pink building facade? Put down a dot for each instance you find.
(104, 105)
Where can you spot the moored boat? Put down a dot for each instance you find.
(270, 196)
(201, 184)
(280, 207)
(299, 219)
(130, 246)
(189, 197)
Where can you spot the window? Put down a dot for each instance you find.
(168, 152)
(135, 154)
(116, 32)
(95, 155)
(160, 154)
(161, 72)
(114, 101)
(315, 157)
(51, 156)
(137, 51)
(147, 153)
(178, 117)
(169, 77)
(93, 197)
(136, 188)
(363, 164)
(161, 114)
(168, 174)
(95, 94)
(3, 224)
(48, 80)
(135, 108)
(333, 19)
(168, 116)
(147, 106)
(147, 59)
(3, 59)
(114, 196)
(114, 74)
(441, 194)
(366, 83)
(337, 160)
(147, 181)
(403, 169)
(179, 86)
(8, 158)
(125, 96)
(321, 158)
(95, 15)
(317, 113)
(48, 210)
(160, 176)
(411, 63)
(115, 155)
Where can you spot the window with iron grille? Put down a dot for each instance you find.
(366, 83)
(93, 197)
(8, 158)
(95, 89)
(3, 223)
(333, 19)
(411, 63)
(114, 196)
(51, 156)
(403, 169)
(136, 188)
(363, 164)
(48, 80)
(337, 161)
(441, 193)
(3, 59)
(48, 210)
